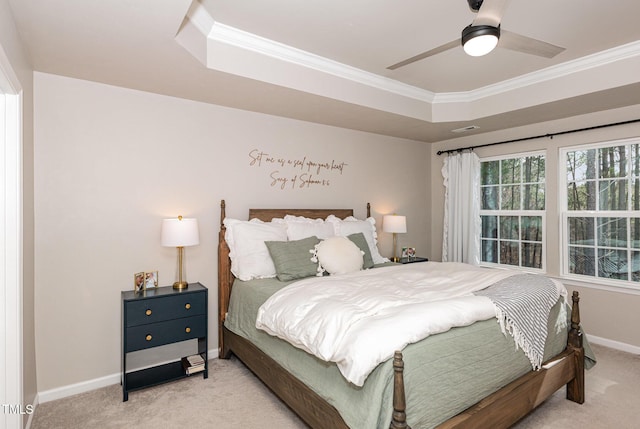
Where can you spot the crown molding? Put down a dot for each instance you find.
(233, 36)
(200, 18)
(599, 59)
(252, 42)
(231, 50)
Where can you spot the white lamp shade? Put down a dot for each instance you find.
(179, 232)
(394, 223)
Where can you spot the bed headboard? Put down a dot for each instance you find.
(268, 214)
(225, 277)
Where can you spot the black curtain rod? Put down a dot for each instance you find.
(550, 135)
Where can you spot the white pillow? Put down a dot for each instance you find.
(337, 255)
(299, 227)
(367, 227)
(250, 258)
(302, 219)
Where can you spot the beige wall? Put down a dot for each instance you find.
(12, 47)
(112, 162)
(607, 314)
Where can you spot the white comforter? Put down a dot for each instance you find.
(358, 320)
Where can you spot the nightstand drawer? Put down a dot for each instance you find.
(161, 333)
(159, 309)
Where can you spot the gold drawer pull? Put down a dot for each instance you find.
(148, 337)
(187, 330)
(148, 312)
(188, 306)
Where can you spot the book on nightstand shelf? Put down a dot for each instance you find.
(193, 364)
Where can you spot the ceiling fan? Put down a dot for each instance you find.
(483, 34)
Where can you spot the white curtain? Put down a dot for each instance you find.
(461, 237)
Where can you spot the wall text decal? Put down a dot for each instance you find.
(296, 173)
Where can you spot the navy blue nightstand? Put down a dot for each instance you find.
(157, 317)
(412, 260)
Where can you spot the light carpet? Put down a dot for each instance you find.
(233, 397)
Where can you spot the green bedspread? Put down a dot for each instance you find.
(444, 373)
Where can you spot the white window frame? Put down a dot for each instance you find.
(519, 213)
(564, 215)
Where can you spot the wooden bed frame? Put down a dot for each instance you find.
(498, 410)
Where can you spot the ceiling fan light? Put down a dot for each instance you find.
(480, 40)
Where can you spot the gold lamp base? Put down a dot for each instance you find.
(180, 285)
(395, 248)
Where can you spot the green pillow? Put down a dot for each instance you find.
(292, 259)
(359, 240)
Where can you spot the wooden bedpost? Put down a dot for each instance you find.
(224, 283)
(368, 210)
(575, 388)
(399, 417)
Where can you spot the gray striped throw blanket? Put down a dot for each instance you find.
(523, 303)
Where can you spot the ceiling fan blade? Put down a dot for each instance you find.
(491, 12)
(429, 53)
(518, 42)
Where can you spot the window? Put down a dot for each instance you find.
(513, 210)
(601, 212)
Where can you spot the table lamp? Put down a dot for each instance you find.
(179, 232)
(394, 224)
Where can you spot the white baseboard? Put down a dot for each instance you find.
(86, 386)
(614, 344)
(74, 389)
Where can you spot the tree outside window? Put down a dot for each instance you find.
(512, 210)
(602, 211)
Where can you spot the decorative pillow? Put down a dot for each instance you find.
(337, 255)
(292, 259)
(299, 227)
(249, 255)
(351, 225)
(359, 240)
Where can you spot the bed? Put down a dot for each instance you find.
(411, 389)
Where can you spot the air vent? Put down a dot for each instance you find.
(465, 129)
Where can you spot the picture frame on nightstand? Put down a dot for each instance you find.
(408, 252)
(145, 280)
(138, 282)
(150, 279)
